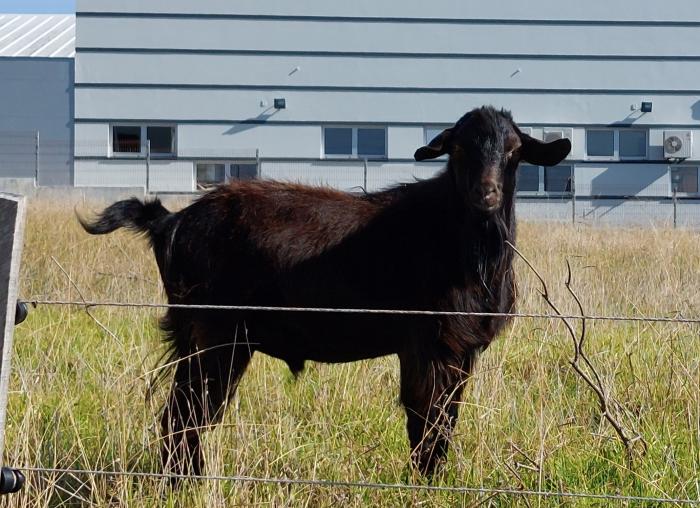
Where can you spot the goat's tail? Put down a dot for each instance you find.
(134, 214)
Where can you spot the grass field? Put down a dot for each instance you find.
(78, 392)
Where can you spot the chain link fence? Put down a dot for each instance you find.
(30, 164)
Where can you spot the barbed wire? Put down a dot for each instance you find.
(534, 315)
(368, 485)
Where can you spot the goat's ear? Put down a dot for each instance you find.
(440, 145)
(538, 153)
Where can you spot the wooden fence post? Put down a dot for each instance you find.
(12, 218)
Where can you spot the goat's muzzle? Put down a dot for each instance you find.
(487, 197)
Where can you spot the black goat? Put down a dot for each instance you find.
(436, 244)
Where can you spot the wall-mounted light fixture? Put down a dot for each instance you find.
(280, 103)
(646, 107)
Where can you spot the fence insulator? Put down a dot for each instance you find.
(11, 480)
(21, 312)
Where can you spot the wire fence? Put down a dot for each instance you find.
(408, 312)
(360, 485)
(371, 485)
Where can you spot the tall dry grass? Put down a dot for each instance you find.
(79, 389)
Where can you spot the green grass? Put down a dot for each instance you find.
(79, 395)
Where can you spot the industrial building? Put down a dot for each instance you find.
(173, 96)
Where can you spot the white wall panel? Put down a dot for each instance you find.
(394, 37)
(276, 70)
(325, 106)
(684, 10)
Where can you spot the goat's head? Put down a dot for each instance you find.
(485, 147)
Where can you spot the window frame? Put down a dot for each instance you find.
(612, 157)
(633, 157)
(616, 145)
(173, 141)
(540, 182)
(570, 192)
(541, 192)
(228, 168)
(143, 145)
(684, 194)
(354, 132)
(112, 153)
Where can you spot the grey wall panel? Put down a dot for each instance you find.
(163, 176)
(37, 95)
(645, 10)
(223, 70)
(255, 34)
(238, 105)
(620, 179)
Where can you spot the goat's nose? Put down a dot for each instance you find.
(490, 195)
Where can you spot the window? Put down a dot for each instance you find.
(539, 180)
(685, 180)
(337, 141)
(126, 139)
(215, 172)
(134, 140)
(633, 144)
(210, 173)
(161, 139)
(371, 142)
(600, 143)
(354, 142)
(528, 178)
(557, 179)
(616, 144)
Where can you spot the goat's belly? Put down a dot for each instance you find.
(336, 338)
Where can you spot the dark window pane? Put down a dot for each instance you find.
(685, 179)
(600, 143)
(371, 142)
(633, 143)
(557, 179)
(528, 178)
(337, 141)
(244, 171)
(161, 139)
(210, 173)
(126, 139)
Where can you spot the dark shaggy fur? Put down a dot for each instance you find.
(437, 244)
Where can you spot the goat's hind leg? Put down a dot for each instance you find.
(204, 381)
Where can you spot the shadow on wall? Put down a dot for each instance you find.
(251, 123)
(616, 181)
(695, 111)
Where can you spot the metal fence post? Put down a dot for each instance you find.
(364, 177)
(675, 206)
(573, 195)
(37, 146)
(148, 166)
(12, 217)
(257, 163)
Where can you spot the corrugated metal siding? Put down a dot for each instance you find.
(37, 35)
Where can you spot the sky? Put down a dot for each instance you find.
(37, 6)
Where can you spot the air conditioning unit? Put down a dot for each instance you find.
(678, 144)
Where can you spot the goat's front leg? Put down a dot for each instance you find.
(431, 389)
